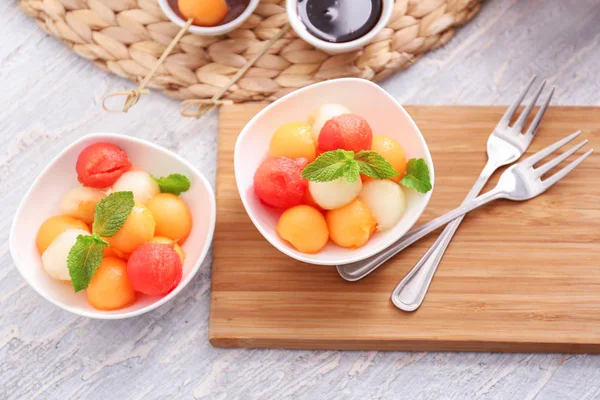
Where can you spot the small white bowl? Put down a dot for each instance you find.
(207, 30)
(336, 48)
(385, 116)
(43, 201)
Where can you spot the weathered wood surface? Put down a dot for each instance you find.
(50, 97)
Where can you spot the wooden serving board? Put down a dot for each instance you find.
(521, 277)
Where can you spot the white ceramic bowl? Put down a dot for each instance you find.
(386, 117)
(335, 48)
(207, 30)
(43, 201)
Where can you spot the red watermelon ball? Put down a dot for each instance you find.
(278, 182)
(347, 132)
(154, 269)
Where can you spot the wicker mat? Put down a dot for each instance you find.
(126, 38)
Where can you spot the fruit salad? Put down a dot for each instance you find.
(119, 233)
(334, 180)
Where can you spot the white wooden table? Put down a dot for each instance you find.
(49, 97)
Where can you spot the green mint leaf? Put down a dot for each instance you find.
(374, 165)
(174, 183)
(417, 176)
(112, 212)
(351, 172)
(84, 259)
(328, 166)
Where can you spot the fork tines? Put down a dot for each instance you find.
(548, 166)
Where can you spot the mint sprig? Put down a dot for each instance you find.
(417, 176)
(88, 251)
(84, 259)
(334, 164)
(174, 183)
(112, 212)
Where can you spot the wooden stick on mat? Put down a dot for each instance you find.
(216, 99)
(134, 95)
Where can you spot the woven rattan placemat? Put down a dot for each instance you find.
(126, 38)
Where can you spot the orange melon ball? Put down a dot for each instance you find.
(172, 216)
(391, 150)
(304, 227)
(293, 140)
(137, 230)
(351, 225)
(176, 247)
(203, 12)
(109, 288)
(54, 226)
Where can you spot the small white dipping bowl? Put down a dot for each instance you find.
(385, 116)
(176, 18)
(43, 201)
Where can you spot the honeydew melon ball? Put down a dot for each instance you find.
(80, 203)
(322, 114)
(386, 201)
(54, 259)
(334, 194)
(140, 183)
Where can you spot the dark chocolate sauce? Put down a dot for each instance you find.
(339, 21)
(236, 8)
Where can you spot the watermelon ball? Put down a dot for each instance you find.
(154, 269)
(100, 165)
(278, 182)
(347, 132)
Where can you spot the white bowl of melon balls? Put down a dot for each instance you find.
(333, 173)
(114, 227)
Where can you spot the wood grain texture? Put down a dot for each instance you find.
(518, 276)
(50, 97)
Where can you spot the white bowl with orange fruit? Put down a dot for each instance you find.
(333, 173)
(113, 227)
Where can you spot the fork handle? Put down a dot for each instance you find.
(410, 292)
(375, 261)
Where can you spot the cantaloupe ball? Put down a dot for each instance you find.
(322, 114)
(110, 288)
(293, 140)
(54, 259)
(54, 226)
(172, 216)
(391, 150)
(140, 183)
(176, 247)
(203, 12)
(137, 230)
(304, 227)
(81, 203)
(352, 225)
(334, 194)
(386, 201)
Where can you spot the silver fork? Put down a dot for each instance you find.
(522, 181)
(505, 145)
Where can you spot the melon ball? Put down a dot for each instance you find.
(278, 182)
(204, 12)
(293, 140)
(140, 183)
(154, 269)
(173, 217)
(390, 149)
(322, 114)
(54, 259)
(351, 226)
(347, 132)
(334, 194)
(81, 203)
(386, 201)
(304, 227)
(171, 242)
(138, 229)
(54, 226)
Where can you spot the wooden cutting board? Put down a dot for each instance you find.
(521, 277)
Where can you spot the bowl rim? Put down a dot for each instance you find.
(278, 244)
(335, 48)
(99, 314)
(208, 30)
